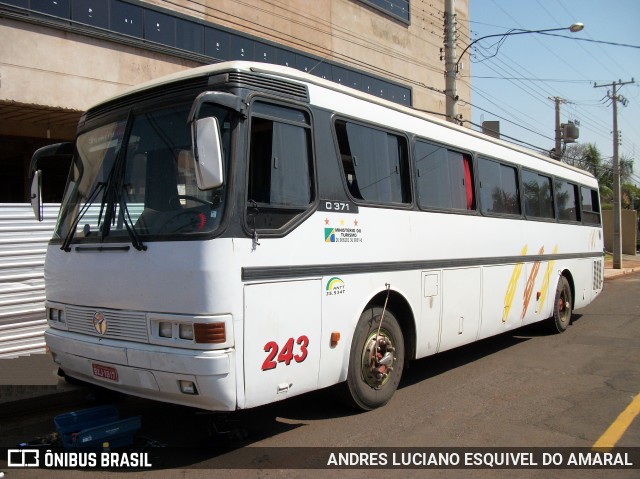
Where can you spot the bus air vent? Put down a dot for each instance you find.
(271, 85)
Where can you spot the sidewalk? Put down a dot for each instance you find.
(630, 264)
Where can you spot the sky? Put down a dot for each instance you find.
(514, 81)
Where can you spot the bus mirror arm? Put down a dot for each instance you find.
(227, 100)
(205, 135)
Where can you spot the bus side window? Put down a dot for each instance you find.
(538, 202)
(498, 188)
(567, 201)
(280, 164)
(445, 179)
(374, 162)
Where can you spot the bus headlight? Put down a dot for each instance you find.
(165, 329)
(185, 331)
(56, 316)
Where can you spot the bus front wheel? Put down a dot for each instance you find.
(562, 306)
(376, 359)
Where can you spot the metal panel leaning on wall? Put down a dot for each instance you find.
(23, 244)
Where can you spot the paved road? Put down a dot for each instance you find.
(521, 389)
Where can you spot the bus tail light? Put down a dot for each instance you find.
(213, 333)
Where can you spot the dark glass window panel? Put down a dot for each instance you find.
(286, 58)
(217, 44)
(56, 8)
(498, 188)
(321, 69)
(264, 53)
(18, 3)
(159, 28)
(241, 48)
(305, 63)
(379, 88)
(339, 75)
(189, 36)
(590, 206)
(91, 12)
(280, 112)
(444, 178)
(538, 202)
(127, 19)
(374, 162)
(567, 201)
(354, 80)
(280, 167)
(397, 8)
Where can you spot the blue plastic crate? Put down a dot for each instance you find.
(90, 428)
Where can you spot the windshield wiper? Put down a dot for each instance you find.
(129, 225)
(113, 194)
(72, 230)
(112, 197)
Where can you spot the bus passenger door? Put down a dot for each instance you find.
(281, 340)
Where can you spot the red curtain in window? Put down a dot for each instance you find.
(467, 181)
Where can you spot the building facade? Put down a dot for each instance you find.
(58, 57)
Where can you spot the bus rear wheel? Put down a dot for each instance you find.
(562, 307)
(376, 360)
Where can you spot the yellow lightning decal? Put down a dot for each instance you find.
(528, 290)
(513, 285)
(545, 280)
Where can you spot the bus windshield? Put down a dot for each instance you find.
(134, 177)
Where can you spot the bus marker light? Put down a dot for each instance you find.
(335, 337)
(210, 333)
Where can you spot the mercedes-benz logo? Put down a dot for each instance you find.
(99, 323)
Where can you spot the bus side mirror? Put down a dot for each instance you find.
(207, 152)
(57, 150)
(36, 195)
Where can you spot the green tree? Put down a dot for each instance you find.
(587, 157)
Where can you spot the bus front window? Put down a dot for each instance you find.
(135, 177)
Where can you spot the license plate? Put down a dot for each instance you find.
(105, 372)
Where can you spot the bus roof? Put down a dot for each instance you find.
(292, 73)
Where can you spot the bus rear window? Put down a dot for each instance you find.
(590, 206)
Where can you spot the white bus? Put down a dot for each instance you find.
(240, 233)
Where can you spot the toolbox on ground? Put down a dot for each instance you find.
(91, 428)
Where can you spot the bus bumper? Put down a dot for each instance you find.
(148, 371)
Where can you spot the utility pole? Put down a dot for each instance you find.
(617, 237)
(557, 151)
(567, 132)
(450, 61)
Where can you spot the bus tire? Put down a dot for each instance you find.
(562, 307)
(372, 380)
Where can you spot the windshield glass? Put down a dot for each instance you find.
(149, 187)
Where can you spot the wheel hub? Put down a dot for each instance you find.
(377, 359)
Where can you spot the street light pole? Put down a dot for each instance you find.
(452, 65)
